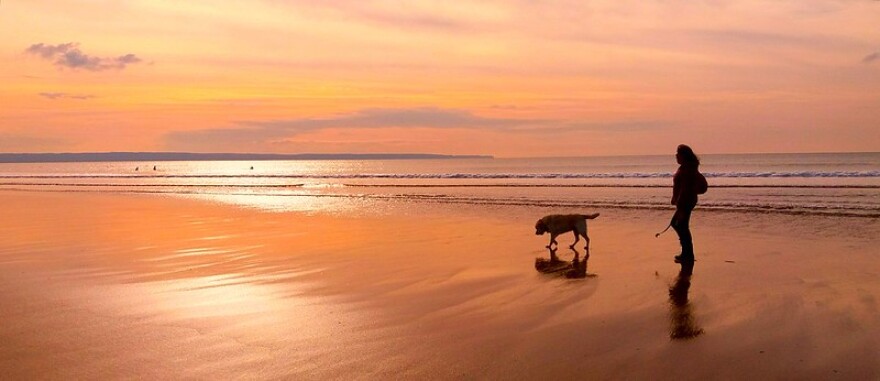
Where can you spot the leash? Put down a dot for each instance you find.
(667, 228)
(664, 231)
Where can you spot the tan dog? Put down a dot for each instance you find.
(556, 224)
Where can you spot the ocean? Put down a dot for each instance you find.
(834, 184)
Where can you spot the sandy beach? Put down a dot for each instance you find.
(103, 286)
(349, 190)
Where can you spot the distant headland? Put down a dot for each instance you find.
(190, 156)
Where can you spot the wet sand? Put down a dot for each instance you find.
(98, 286)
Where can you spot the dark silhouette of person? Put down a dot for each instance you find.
(682, 324)
(686, 183)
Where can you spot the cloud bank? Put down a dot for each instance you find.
(55, 96)
(262, 134)
(14, 142)
(871, 57)
(265, 132)
(381, 117)
(70, 56)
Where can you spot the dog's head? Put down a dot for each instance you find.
(540, 227)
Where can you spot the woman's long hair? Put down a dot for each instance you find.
(687, 155)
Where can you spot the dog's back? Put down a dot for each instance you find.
(560, 223)
(556, 224)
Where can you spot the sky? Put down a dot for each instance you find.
(514, 78)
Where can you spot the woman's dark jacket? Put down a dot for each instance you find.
(684, 186)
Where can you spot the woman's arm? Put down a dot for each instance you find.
(676, 187)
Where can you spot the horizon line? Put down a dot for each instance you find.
(110, 156)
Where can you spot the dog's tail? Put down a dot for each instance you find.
(590, 216)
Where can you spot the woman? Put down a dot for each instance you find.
(687, 183)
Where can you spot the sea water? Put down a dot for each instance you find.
(839, 184)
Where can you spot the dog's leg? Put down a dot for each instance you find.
(581, 230)
(576, 239)
(587, 247)
(552, 240)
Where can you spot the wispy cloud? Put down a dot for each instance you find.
(251, 135)
(54, 96)
(870, 58)
(372, 118)
(413, 21)
(265, 132)
(411, 16)
(70, 56)
(606, 127)
(13, 142)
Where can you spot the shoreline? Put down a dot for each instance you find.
(108, 285)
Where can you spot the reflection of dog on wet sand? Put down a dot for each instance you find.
(556, 224)
(575, 269)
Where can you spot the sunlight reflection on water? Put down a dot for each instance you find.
(307, 203)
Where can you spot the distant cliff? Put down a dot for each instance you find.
(188, 156)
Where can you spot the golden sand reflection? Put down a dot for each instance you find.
(214, 296)
(231, 308)
(236, 254)
(298, 202)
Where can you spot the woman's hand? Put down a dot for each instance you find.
(675, 218)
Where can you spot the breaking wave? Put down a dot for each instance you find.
(869, 210)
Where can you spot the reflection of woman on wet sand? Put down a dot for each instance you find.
(682, 324)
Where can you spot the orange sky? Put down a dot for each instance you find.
(506, 78)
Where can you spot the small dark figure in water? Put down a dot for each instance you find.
(687, 184)
(154, 167)
(252, 168)
(137, 168)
